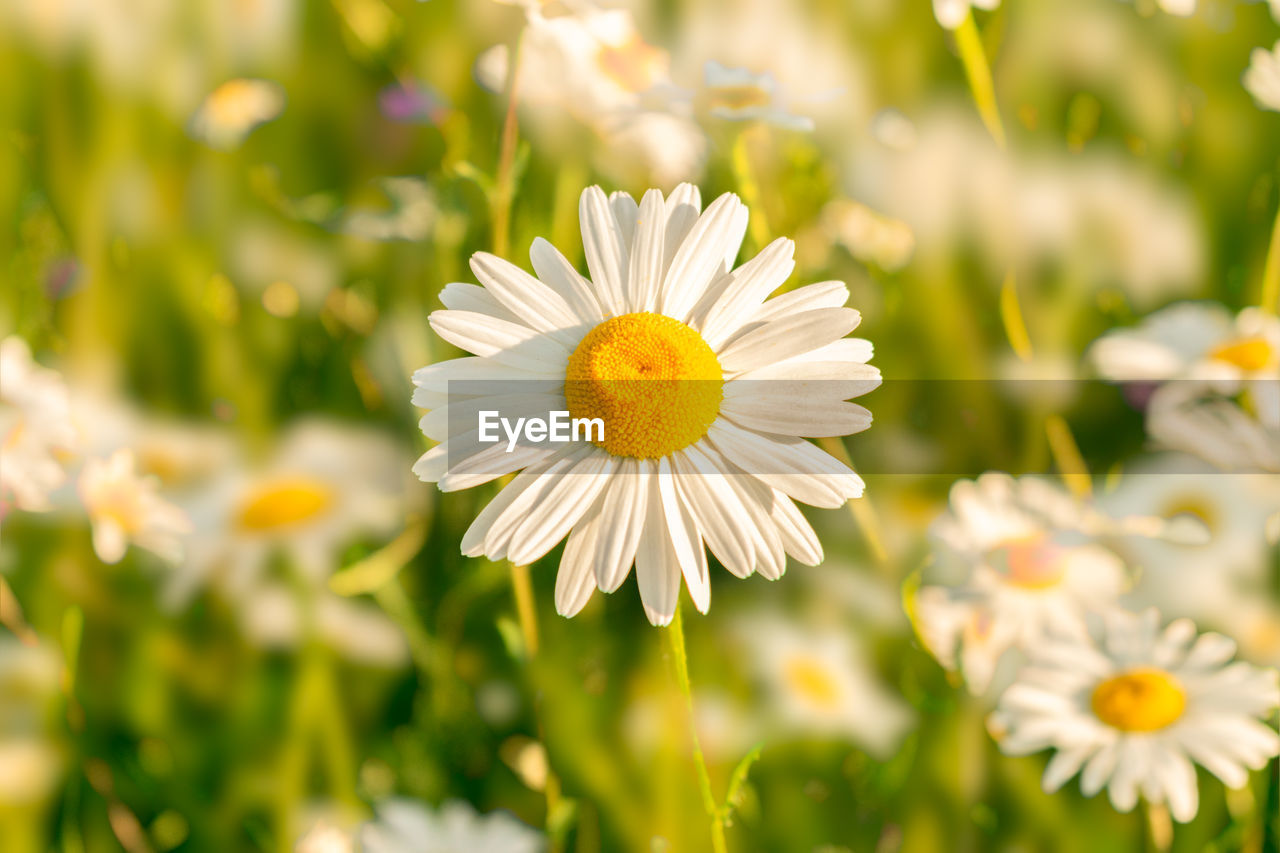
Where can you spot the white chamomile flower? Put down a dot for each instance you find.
(1204, 580)
(1017, 561)
(36, 428)
(232, 111)
(1262, 79)
(818, 683)
(324, 486)
(711, 451)
(407, 826)
(739, 94)
(1193, 340)
(125, 508)
(1132, 707)
(1231, 431)
(951, 13)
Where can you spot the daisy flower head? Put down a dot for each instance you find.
(1231, 431)
(1131, 706)
(1262, 79)
(407, 826)
(818, 682)
(951, 13)
(1016, 560)
(233, 110)
(126, 507)
(324, 486)
(739, 94)
(700, 386)
(36, 429)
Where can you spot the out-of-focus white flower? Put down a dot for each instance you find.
(951, 13)
(1198, 341)
(817, 682)
(651, 145)
(1131, 707)
(1203, 580)
(739, 94)
(275, 616)
(1017, 561)
(232, 111)
(36, 428)
(1181, 8)
(127, 508)
(408, 826)
(1262, 78)
(1211, 420)
(869, 236)
(325, 485)
(324, 837)
(1096, 219)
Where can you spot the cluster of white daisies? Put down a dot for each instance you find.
(213, 513)
(1050, 603)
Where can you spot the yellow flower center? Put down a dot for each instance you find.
(738, 97)
(284, 502)
(1031, 563)
(634, 65)
(812, 682)
(651, 379)
(1193, 506)
(1141, 700)
(1246, 354)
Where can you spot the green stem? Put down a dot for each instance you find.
(504, 189)
(675, 635)
(744, 174)
(978, 71)
(1271, 272)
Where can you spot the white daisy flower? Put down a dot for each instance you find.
(324, 486)
(36, 429)
(818, 683)
(712, 452)
(870, 236)
(232, 111)
(275, 618)
(1205, 580)
(1262, 79)
(125, 508)
(1194, 340)
(1208, 419)
(407, 826)
(739, 94)
(951, 13)
(1133, 706)
(1017, 561)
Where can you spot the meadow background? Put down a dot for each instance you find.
(202, 296)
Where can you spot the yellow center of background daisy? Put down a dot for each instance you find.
(1141, 700)
(812, 682)
(284, 502)
(653, 381)
(1246, 354)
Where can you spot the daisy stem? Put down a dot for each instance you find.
(504, 190)
(978, 72)
(1159, 826)
(675, 636)
(1271, 272)
(522, 588)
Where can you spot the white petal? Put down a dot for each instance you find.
(700, 257)
(627, 213)
(824, 294)
(536, 304)
(657, 567)
(799, 412)
(717, 510)
(461, 296)
(625, 508)
(790, 464)
(644, 279)
(503, 341)
(796, 534)
(575, 580)
(685, 538)
(109, 540)
(473, 540)
(681, 211)
(543, 521)
(787, 337)
(606, 250)
(555, 271)
(436, 378)
(745, 289)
